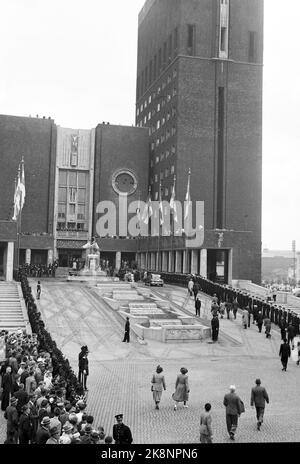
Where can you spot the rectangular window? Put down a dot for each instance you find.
(252, 47)
(62, 194)
(71, 209)
(220, 159)
(62, 177)
(81, 195)
(223, 39)
(191, 40)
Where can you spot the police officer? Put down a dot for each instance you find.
(121, 432)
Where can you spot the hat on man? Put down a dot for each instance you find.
(45, 420)
(232, 388)
(67, 428)
(88, 429)
(119, 416)
(257, 381)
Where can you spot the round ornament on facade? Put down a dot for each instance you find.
(124, 181)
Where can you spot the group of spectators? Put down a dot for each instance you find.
(40, 270)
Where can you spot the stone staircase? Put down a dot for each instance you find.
(13, 313)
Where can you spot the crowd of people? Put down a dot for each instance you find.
(40, 270)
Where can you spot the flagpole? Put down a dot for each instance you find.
(172, 232)
(19, 225)
(149, 196)
(158, 244)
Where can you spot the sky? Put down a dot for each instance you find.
(65, 59)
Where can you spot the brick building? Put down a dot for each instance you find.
(199, 91)
(198, 107)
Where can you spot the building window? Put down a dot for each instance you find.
(145, 104)
(162, 156)
(158, 124)
(156, 196)
(167, 172)
(142, 107)
(173, 150)
(137, 112)
(149, 99)
(151, 163)
(162, 138)
(174, 112)
(173, 130)
(223, 32)
(174, 92)
(168, 115)
(252, 47)
(191, 39)
(151, 179)
(149, 115)
(166, 192)
(157, 142)
(167, 134)
(169, 79)
(167, 153)
(156, 178)
(172, 169)
(168, 97)
(158, 107)
(157, 159)
(161, 175)
(145, 120)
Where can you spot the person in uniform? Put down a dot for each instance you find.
(121, 432)
(38, 290)
(83, 366)
(198, 306)
(215, 328)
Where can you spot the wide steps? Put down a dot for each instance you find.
(12, 310)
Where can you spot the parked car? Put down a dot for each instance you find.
(154, 279)
(296, 291)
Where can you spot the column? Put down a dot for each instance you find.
(178, 261)
(194, 261)
(8, 261)
(170, 261)
(118, 260)
(230, 267)
(184, 262)
(28, 256)
(49, 258)
(164, 261)
(203, 263)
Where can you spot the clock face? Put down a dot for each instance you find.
(124, 181)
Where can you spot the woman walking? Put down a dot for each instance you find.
(158, 384)
(182, 388)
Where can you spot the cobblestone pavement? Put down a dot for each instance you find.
(120, 373)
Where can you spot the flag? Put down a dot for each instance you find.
(187, 197)
(161, 221)
(19, 195)
(17, 198)
(138, 212)
(173, 203)
(22, 186)
(148, 211)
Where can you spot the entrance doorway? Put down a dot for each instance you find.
(2, 248)
(217, 265)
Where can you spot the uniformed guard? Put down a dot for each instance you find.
(121, 432)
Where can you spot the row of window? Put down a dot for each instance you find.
(157, 93)
(163, 155)
(162, 175)
(164, 137)
(161, 59)
(166, 117)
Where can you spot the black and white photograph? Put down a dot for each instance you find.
(149, 226)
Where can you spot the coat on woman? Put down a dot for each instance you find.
(182, 388)
(158, 384)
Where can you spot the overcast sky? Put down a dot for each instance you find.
(66, 59)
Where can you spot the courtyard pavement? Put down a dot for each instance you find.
(120, 373)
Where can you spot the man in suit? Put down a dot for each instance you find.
(259, 321)
(82, 363)
(284, 353)
(215, 328)
(233, 405)
(198, 306)
(121, 432)
(259, 397)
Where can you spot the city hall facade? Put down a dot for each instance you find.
(198, 108)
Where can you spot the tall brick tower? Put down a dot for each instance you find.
(199, 91)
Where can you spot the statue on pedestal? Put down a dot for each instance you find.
(92, 258)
